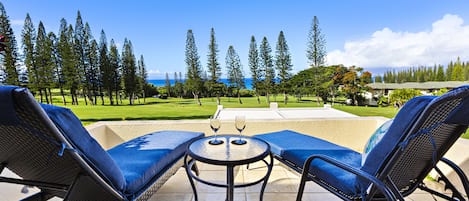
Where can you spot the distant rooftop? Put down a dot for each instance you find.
(418, 85)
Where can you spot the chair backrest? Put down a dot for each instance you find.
(37, 145)
(426, 138)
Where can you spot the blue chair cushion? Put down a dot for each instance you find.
(402, 123)
(285, 140)
(296, 148)
(331, 174)
(150, 155)
(86, 145)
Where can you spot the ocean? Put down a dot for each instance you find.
(162, 83)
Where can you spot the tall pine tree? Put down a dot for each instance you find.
(193, 81)
(79, 44)
(57, 66)
(213, 67)
(10, 53)
(45, 69)
(129, 71)
(28, 36)
(458, 71)
(254, 67)
(93, 72)
(67, 58)
(115, 68)
(316, 51)
(266, 61)
(235, 71)
(283, 64)
(105, 67)
(90, 71)
(142, 76)
(440, 75)
(316, 46)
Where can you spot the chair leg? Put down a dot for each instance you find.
(449, 185)
(301, 188)
(459, 172)
(394, 189)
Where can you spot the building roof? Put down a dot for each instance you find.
(418, 85)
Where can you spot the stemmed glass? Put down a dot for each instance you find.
(240, 124)
(215, 125)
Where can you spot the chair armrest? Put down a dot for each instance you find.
(360, 173)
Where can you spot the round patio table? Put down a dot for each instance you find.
(229, 155)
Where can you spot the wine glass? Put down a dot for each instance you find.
(215, 125)
(240, 124)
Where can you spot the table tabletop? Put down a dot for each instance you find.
(228, 153)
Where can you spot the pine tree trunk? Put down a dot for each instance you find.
(63, 95)
(144, 98)
(131, 99)
(72, 92)
(90, 97)
(110, 97)
(102, 96)
(196, 97)
(239, 98)
(46, 95)
(50, 96)
(75, 99)
(258, 97)
(285, 99)
(40, 95)
(84, 96)
(95, 97)
(218, 99)
(117, 97)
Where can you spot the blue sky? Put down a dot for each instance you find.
(369, 34)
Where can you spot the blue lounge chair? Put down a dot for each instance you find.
(48, 148)
(420, 134)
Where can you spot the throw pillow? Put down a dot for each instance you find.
(375, 138)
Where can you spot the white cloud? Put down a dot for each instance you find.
(447, 39)
(154, 74)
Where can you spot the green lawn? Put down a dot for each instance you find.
(176, 108)
(170, 109)
(388, 112)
